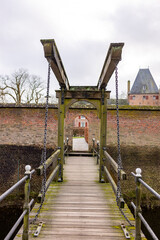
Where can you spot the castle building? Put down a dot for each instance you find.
(144, 90)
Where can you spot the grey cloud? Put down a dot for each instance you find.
(83, 61)
(138, 24)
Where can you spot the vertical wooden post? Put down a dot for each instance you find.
(97, 152)
(67, 145)
(61, 131)
(93, 139)
(26, 204)
(138, 206)
(103, 125)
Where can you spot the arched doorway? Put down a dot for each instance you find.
(80, 134)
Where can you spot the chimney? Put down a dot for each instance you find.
(128, 90)
(129, 83)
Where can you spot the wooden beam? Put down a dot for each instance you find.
(48, 162)
(115, 166)
(112, 59)
(83, 94)
(52, 55)
(103, 128)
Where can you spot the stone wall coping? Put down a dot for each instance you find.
(134, 108)
(13, 105)
(55, 106)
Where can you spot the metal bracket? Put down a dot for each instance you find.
(126, 233)
(103, 90)
(121, 202)
(62, 96)
(37, 232)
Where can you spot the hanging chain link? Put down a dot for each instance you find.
(120, 167)
(44, 151)
(118, 141)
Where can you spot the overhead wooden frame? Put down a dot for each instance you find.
(112, 59)
(83, 92)
(52, 55)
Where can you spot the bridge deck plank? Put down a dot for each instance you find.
(80, 207)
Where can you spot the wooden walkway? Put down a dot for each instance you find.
(80, 207)
(79, 144)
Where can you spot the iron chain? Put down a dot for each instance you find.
(44, 151)
(119, 160)
(118, 140)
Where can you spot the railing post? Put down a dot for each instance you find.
(93, 139)
(67, 145)
(26, 203)
(138, 205)
(64, 153)
(60, 168)
(97, 152)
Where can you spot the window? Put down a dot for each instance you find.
(145, 97)
(144, 88)
(155, 97)
(132, 97)
(82, 124)
(83, 117)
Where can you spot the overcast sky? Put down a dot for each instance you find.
(83, 31)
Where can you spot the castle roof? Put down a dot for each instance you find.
(144, 83)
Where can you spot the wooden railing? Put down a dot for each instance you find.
(65, 148)
(109, 161)
(137, 208)
(27, 204)
(138, 179)
(95, 150)
(52, 160)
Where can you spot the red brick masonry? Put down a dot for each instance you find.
(25, 125)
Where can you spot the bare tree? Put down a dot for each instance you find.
(21, 87)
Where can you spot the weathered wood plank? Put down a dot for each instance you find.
(111, 61)
(115, 165)
(81, 208)
(52, 55)
(83, 94)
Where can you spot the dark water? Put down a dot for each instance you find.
(152, 216)
(8, 217)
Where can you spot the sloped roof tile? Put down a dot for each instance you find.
(144, 83)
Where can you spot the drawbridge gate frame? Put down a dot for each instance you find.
(96, 95)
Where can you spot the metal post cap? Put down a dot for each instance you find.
(28, 169)
(138, 172)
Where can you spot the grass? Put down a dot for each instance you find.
(77, 137)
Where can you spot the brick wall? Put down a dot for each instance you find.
(144, 99)
(25, 126)
(139, 127)
(139, 136)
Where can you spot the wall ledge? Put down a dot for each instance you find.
(55, 106)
